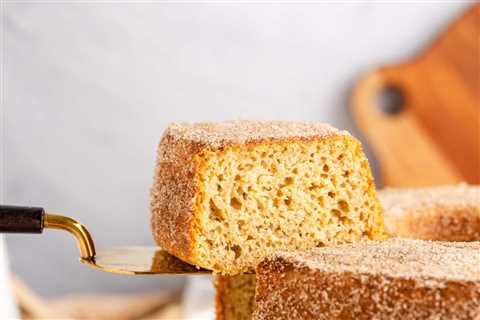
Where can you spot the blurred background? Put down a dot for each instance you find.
(88, 88)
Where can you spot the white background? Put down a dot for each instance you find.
(89, 87)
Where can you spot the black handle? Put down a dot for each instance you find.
(16, 219)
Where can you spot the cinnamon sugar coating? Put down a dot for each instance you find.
(445, 213)
(221, 134)
(392, 279)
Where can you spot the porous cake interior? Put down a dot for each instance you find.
(296, 195)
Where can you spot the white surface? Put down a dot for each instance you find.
(90, 87)
(8, 308)
(198, 299)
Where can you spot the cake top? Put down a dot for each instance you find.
(241, 132)
(432, 262)
(396, 201)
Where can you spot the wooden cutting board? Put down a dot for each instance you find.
(430, 133)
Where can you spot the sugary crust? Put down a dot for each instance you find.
(172, 195)
(447, 213)
(174, 189)
(221, 134)
(394, 279)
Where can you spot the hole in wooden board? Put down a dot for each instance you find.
(390, 100)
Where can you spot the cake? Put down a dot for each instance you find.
(448, 213)
(225, 195)
(234, 297)
(393, 279)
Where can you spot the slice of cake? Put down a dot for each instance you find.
(393, 279)
(234, 297)
(227, 194)
(448, 213)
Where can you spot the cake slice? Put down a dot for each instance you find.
(448, 213)
(393, 279)
(227, 194)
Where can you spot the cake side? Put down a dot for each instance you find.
(396, 278)
(172, 195)
(446, 213)
(234, 297)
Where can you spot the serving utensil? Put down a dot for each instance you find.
(130, 260)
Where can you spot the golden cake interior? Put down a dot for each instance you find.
(235, 297)
(295, 195)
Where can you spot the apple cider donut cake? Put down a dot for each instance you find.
(445, 213)
(392, 279)
(225, 195)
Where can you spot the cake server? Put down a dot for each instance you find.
(139, 260)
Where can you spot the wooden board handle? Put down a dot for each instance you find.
(369, 88)
(407, 154)
(431, 133)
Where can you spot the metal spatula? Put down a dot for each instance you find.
(124, 260)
